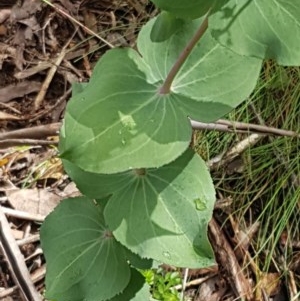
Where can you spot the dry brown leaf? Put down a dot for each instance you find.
(270, 283)
(27, 9)
(34, 201)
(19, 90)
(39, 201)
(211, 290)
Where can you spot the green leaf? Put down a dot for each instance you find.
(264, 29)
(185, 9)
(84, 261)
(136, 290)
(78, 87)
(157, 216)
(97, 186)
(106, 122)
(158, 213)
(120, 117)
(165, 26)
(139, 262)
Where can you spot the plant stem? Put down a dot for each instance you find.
(166, 87)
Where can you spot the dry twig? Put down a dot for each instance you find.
(227, 260)
(16, 261)
(40, 97)
(36, 132)
(23, 215)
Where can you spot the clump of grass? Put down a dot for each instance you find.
(266, 187)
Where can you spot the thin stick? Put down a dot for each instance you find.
(40, 97)
(48, 110)
(223, 125)
(184, 281)
(23, 215)
(36, 132)
(29, 136)
(257, 128)
(91, 32)
(166, 87)
(16, 142)
(195, 282)
(16, 261)
(227, 259)
(29, 239)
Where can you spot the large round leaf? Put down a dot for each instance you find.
(159, 214)
(162, 214)
(121, 121)
(84, 261)
(120, 118)
(213, 79)
(262, 28)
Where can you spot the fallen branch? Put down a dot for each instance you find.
(43, 131)
(20, 142)
(223, 125)
(36, 132)
(16, 262)
(227, 260)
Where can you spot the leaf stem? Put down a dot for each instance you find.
(166, 87)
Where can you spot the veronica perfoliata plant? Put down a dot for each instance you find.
(148, 197)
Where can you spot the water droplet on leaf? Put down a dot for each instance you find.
(200, 204)
(123, 141)
(167, 254)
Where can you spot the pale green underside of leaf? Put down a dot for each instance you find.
(120, 121)
(185, 8)
(156, 215)
(267, 29)
(82, 263)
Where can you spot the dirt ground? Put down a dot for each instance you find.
(43, 50)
